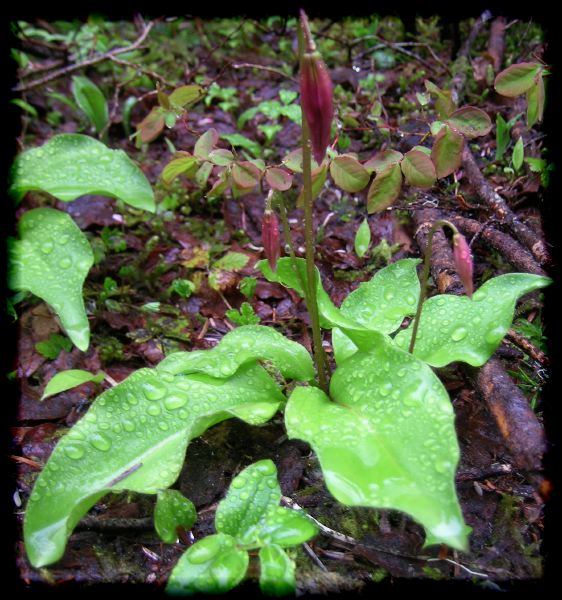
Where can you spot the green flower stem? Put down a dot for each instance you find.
(289, 238)
(425, 276)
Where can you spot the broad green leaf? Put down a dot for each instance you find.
(52, 260)
(385, 188)
(418, 169)
(517, 79)
(470, 121)
(177, 166)
(446, 153)
(212, 565)
(173, 510)
(70, 165)
(502, 136)
(203, 173)
(278, 179)
(221, 157)
(277, 571)
(66, 380)
(245, 174)
(152, 125)
(293, 161)
(287, 96)
(134, 437)
(232, 261)
(381, 160)
(238, 140)
(91, 100)
(459, 328)
(206, 143)
(444, 104)
(535, 102)
(186, 95)
(362, 238)
(387, 439)
(240, 346)
(518, 154)
(348, 173)
(251, 514)
(52, 346)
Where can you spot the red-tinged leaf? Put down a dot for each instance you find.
(186, 95)
(418, 169)
(348, 173)
(385, 188)
(470, 121)
(446, 153)
(245, 174)
(221, 157)
(152, 125)
(444, 104)
(220, 186)
(380, 161)
(318, 179)
(177, 166)
(278, 179)
(517, 79)
(535, 102)
(206, 143)
(293, 161)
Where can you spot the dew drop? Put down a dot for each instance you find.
(163, 426)
(174, 402)
(128, 426)
(63, 239)
(267, 468)
(65, 263)
(74, 452)
(238, 483)
(47, 247)
(389, 295)
(244, 496)
(410, 299)
(154, 390)
(459, 334)
(153, 410)
(100, 442)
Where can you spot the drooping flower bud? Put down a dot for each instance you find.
(463, 261)
(316, 95)
(270, 237)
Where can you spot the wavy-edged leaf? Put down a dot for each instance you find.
(457, 328)
(52, 260)
(348, 173)
(277, 571)
(66, 380)
(446, 153)
(213, 565)
(178, 166)
(173, 510)
(418, 169)
(385, 188)
(278, 179)
(381, 160)
(240, 346)
(470, 121)
(134, 437)
(387, 440)
(362, 238)
(71, 165)
(186, 95)
(517, 79)
(535, 102)
(91, 100)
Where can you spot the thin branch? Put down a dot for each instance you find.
(263, 68)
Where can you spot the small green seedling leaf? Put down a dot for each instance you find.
(457, 328)
(182, 287)
(28, 108)
(385, 188)
(247, 286)
(244, 316)
(51, 260)
(518, 154)
(178, 166)
(51, 347)
(91, 100)
(386, 439)
(418, 169)
(173, 510)
(444, 104)
(517, 79)
(470, 121)
(66, 380)
(446, 153)
(348, 173)
(238, 140)
(213, 565)
(221, 157)
(206, 143)
(186, 95)
(232, 261)
(362, 238)
(293, 161)
(277, 571)
(502, 136)
(70, 165)
(535, 102)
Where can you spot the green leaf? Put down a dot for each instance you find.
(51, 347)
(502, 136)
(383, 159)
(459, 328)
(362, 238)
(318, 179)
(126, 113)
(418, 169)
(177, 166)
(470, 121)
(25, 106)
(66, 380)
(186, 95)
(203, 173)
(91, 100)
(385, 188)
(206, 143)
(134, 437)
(277, 571)
(232, 261)
(446, 153)
(245, 174)
(518, 154)
(212, 565)
(244, 316)
(287, 96)
(348, 173)
(517, 79)
(293, 161)
(278, 179)
(52, 260)
(387, 439)
(444, 104)
(240, 346)
(173, 510)
(70, 165)
(251, 514)
(535, 102)
(238, 140)
(221, 157)
(247, 286)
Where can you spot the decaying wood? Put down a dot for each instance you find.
(500, 208)
(496, 43)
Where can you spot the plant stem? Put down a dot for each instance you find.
(425, 276)
(289, 240)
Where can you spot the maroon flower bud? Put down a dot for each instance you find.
(463, 261)
(270, 237)
(316, 98)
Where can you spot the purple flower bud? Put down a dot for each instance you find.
(317, 102)
(270, 237)
(463, 261)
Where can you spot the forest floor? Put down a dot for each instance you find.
(379, 67)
